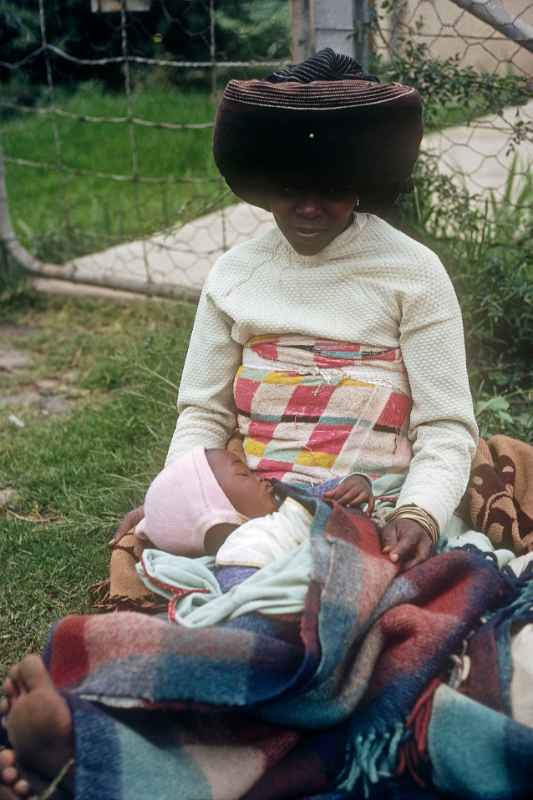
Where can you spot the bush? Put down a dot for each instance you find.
(452, 93)
(488, 252)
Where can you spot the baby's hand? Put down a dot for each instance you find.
(352, 491)
(406, 542)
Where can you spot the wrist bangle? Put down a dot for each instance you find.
(419, 515)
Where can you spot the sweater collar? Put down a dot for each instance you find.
(339, 248)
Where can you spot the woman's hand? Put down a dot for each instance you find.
(406, 542)
(352, 491)
(128, 522)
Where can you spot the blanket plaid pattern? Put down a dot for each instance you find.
(310, 408)
(238, 711)
(492, 758)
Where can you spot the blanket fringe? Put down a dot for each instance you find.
(413, 756)
(103, 602)
(371, 757)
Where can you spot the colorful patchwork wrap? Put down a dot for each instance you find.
(310, 409)
(315, 707)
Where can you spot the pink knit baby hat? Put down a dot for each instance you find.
(183, 502)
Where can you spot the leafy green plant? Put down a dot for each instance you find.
(488, 250)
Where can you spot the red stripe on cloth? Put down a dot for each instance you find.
(266, 350)
(69, 663)
(383, 355)
(243, 392)
(270, 468)
(328, 438)
(331, 361)
(263, 431)
(309, 400)
(396, 411)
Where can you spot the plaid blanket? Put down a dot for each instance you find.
(320, 706)
(492, 757)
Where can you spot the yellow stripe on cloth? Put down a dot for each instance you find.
(355, 382)
(282, 377)
(252, 447)
(309, 458)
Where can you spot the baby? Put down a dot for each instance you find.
(209, 501)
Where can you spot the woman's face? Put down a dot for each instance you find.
(310, 218)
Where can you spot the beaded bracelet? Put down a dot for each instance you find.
(424, 519)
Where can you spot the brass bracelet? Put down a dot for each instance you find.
(419, 515)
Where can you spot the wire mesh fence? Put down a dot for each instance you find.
(106, 116)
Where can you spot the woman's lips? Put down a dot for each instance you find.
(312, 233)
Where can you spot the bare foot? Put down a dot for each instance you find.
(13, 687)
(39, 728)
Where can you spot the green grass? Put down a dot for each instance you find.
(84, 470)
(60, 215)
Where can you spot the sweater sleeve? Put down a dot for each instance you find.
(205, 398)
(443, 429)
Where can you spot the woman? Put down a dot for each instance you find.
(333, 343)
(334, 296)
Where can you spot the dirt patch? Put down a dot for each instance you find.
(8, 497)
(49, 396)
(12, 359)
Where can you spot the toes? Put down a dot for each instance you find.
(10, 775)
(22, 788)
(10, 687)
(11, 692)
(33, 673)
(12, 682)
(7, 758)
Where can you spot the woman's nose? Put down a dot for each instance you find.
(309, 207)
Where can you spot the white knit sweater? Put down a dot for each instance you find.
(372, 285)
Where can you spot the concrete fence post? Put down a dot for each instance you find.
(343, 25)
(302, 29)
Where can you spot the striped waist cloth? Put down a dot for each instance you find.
(310, 409)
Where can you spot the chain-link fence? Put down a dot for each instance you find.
(107, 107)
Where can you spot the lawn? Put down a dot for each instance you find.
(115, 367)
(59, 214)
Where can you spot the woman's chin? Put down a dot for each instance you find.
(307, 246)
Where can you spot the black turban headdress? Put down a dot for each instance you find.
(323, 121)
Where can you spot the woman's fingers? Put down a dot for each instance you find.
(389, 537)
(349, 495)
(406, 542)
(405, 549)
(423, 551)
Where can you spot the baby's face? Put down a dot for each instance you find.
(250, 495)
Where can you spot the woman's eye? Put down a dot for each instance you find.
(339, 192)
